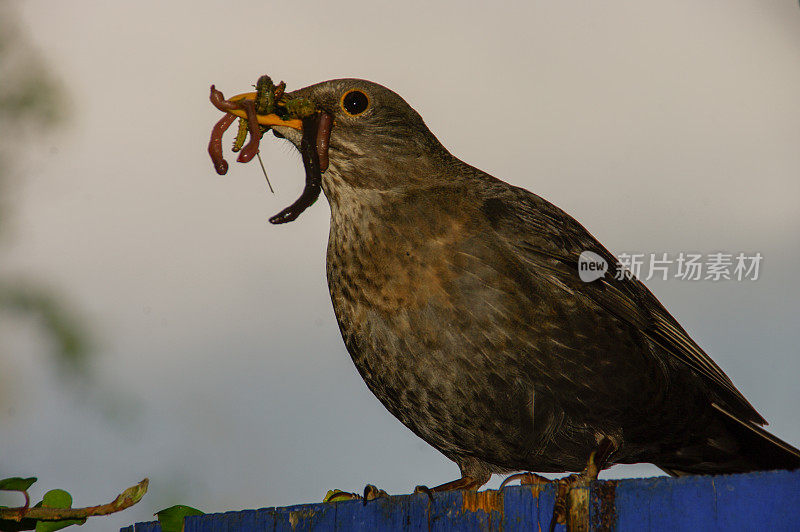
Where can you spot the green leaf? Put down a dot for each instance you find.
(56, 499)
(171, 519)
(17, 483)
(339, 496)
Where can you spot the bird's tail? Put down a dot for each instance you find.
(756, 450)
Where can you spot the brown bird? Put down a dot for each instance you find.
(459, 300)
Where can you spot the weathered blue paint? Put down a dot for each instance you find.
(756, 501)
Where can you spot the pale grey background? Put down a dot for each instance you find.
(662, 126)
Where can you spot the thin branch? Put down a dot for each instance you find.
(124, 500)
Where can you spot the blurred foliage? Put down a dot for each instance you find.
(31, 101)
(65, 332)
(31, 104)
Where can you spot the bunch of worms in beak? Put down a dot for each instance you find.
(270, 100)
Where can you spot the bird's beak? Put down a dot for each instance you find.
(265, 120)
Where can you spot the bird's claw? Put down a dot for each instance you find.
(424, 489)
(525, 479)
(373, 492)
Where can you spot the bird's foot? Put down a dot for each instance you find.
(370, 492)
(570, 490)
(572, 497)
(571, 506)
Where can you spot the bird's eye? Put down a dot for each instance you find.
(355, 102)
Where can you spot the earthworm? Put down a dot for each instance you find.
(312, 125)
(219, 101)
(250, 150)
(324, 125)
(215, 144)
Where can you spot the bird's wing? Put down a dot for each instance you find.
(551, 241)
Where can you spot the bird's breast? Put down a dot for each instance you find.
(384, 259)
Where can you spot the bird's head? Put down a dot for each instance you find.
(354, 135)
(377, 140)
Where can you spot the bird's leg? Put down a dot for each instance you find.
(572, 496)
(571, 506)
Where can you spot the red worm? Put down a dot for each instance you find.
(215, 144)
(324, 125)
(251, 148)
(219, 101)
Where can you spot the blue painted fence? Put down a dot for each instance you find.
(755, 501)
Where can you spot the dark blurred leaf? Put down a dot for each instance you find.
(70, 340)
(31, 103)
(7, 525)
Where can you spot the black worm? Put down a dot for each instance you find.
(313, 126)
